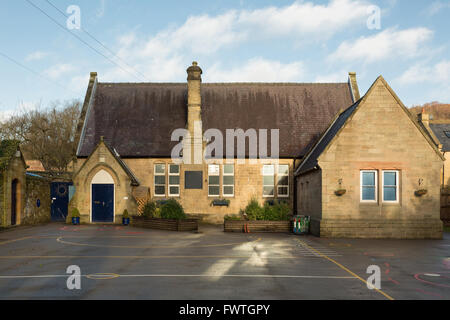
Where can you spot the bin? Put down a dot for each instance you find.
(301, 224)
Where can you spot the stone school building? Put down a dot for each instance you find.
(124, 155)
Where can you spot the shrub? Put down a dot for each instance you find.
(229, 217)
(75, 213)
(275, 212)
(125, 214)
(149, 209)
(253, 210)
(172, 209)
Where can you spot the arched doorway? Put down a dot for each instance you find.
(102, 196)
(14, 201)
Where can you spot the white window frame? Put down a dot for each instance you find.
(264, 185)
(174, 185)
(223, 181)
(214, 185)
(283, 185)
(159, 185)
(361, 186)
(397, 173)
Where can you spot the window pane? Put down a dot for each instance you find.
(174, 190)
(160, 190)
(268, 191)
(174, 168)
(390, 193)
(283, 169)
(268, 170)
(228, 179)
(283, 180)
(268, 180)
(214, 190)
(174, 179)
(228, 190)
(390, 178)
(160, 168)
(368, 193)
(228, 169)
(160, 179)
(213, 169)
(368, 178)
(213, 179)
(283, 191)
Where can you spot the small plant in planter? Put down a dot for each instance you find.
(125, 218)
(75, 216)
(340, 192)
(420, 192)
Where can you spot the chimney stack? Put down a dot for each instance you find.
(194, 121)
(354, 86)
(424, 117)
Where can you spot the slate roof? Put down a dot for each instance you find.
(439, 132)
(137, 119)
(311, 160)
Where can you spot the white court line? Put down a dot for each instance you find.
(188, 275)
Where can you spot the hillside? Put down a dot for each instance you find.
(438, 111)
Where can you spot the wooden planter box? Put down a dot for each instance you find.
(165, 224)
(257, 226)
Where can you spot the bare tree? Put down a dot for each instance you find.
(47, 135)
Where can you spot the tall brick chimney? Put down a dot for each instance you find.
(424, 117)
(194, 121)
(354, 86)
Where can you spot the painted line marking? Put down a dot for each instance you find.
(14, 240)
(59, 239)
(107, 276)
(347, 270)
(146, 257)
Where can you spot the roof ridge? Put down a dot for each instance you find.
(225, 83)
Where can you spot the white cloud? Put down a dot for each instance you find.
(387, 44)
(421, 73)
(437, 6)
(257, 70)
(37, 55)
(165, 55)
(58, 70)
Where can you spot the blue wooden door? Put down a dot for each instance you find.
(59, 192)
(102, 203)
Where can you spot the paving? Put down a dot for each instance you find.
(118, 262)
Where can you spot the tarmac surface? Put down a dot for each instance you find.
(118, 262)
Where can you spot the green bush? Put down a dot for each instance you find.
(75, 213)
(229, 217)
(277, 211)
(149, 209)
(253, 210)
(125, 214)
(172, 209)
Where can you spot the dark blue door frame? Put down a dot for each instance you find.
(102, 203)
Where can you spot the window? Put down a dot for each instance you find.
(174, 180)
(160, 180)
(213, 180)
(268, 181)
(283, 181)
(228, 180)
(390, 186)
(368, 186)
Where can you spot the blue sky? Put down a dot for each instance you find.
(233, 41)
